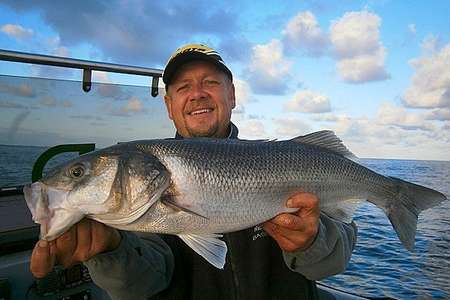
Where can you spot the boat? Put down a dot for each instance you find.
(18, 233)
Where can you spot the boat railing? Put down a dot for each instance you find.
(86, 66)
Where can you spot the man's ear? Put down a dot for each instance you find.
(168, 102)
(232, 96)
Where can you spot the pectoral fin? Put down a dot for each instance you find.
(174, 205)
(209, 246)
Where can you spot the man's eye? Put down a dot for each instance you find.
(211, 82)
(182, 88)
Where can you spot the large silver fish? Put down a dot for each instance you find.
(199, 188)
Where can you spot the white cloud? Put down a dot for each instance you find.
(54, 72)
(355, 39)
(251, 129)
(23, 90)
(243, 96)
(133, 106)
(412, 28)
(291, 127)
(393, 133)
(303, 32)
(243, 91)
(238, 112)
(268, 70)
(362, 68)
(51, 101)
(389, 114)
(100, 76)
(61, 51)
(352, 128)
(104, 87)
(309, 102)
(356, 33)
(17, 31)
(326, 117)
(6, 104)
(430, 86)
(442, 114)
(446, 127)
(430, 43)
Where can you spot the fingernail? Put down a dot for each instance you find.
(43, 244)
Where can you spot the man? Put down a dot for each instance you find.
(301, 246)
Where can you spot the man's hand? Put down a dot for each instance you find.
(81, 242)
(298, 230)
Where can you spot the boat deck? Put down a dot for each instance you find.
(17, 229)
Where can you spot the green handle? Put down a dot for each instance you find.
(38, 166)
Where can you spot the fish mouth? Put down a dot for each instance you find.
(37, 202)
(46, 205)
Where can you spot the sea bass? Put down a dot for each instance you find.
(199, 188)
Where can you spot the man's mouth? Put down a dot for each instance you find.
(200, 111)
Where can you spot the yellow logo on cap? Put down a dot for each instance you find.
(193, 48)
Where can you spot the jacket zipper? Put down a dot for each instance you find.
(233, 269)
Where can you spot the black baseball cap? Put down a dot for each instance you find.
(192, 52)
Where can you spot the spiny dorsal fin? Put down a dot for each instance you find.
(325, 139)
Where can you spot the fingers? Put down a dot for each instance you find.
(104, 238)
(84, 241)
(284, 242)
(66, 245)
(298, 230)
(304, 201)
(81, 242)
(42, 259)
(290, 239)
(289, 221)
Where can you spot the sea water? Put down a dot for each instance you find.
(380, 266)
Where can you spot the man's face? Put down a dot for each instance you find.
(199, 100)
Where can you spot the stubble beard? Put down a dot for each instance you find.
(210, 131)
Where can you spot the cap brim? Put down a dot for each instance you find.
(178, 61)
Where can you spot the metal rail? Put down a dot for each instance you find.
(85, 65)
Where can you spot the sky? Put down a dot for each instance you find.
(377, 73)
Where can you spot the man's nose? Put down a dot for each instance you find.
(197, 92)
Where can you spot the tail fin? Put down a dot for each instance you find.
(405, 209)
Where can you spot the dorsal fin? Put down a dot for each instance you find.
(325, 139)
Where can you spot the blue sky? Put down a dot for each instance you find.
(375, 72)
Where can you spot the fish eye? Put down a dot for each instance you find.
(76, 171)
